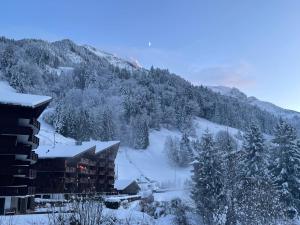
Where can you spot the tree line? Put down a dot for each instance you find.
(256, 183)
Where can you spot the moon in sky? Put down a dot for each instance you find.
(149, 44)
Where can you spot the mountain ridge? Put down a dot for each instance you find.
(264, 105)
(89, 88)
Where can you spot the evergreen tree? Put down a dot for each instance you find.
(140, 132)
(185, 151)
(227, 146)
(257, 199)
(285, 168)
(107, 125)
(255, 158)
(207, 179)
(172, 146)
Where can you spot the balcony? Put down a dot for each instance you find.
(33, 157)
(111, 173)
(33, 122)
(111, 158)
(111, 165)
(101, 181)
(101, 164)
(101, 172)
(19, 171)
(70, 180)
(15, 181)
(16, 130)
(21, 190)
(70, 170)
(84, 161)
(87, 171)
(85, 180)
(101, 156)
(111, 182)
(20, 149)
(34, 141)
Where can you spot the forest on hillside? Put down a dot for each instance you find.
(109, 101)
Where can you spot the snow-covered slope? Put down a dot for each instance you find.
(153, 163)
(267, 106)
(115, 60)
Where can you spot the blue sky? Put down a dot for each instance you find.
(251, 44)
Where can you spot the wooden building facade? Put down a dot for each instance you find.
(76, 169)
(18, 130)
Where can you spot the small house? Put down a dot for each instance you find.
(129, 187)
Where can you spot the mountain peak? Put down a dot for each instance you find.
(131, 64)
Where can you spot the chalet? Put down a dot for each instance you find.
(129, 187)
(18, 130)
(76, 169)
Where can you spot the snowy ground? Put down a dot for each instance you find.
(130, 213)
(153, 162)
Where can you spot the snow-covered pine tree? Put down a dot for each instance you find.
(107, 125)
(140, 132)
(257, 198)
(207, 180)
(185, 151)
(227, 146)
(285, 168)
(254, 163)
(172, 150)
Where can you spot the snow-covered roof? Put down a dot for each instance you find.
(122, 184)
(62, 150)
(10, 97)
(103, 145)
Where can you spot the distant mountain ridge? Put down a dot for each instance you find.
(290, 115)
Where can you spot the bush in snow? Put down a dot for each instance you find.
(84, 211)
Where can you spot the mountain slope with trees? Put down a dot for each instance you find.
(95, 98)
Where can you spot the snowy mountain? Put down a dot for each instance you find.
(115, 60)
(98, 96)
(290, 115)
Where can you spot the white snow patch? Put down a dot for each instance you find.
(129, 64)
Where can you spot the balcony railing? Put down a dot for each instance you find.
(33, 157)
(92, 172)
(101, 156)
(32, 174)
(87, 171)
(84, 161)
(101, 172)
(17, 190)
(70, 180)
(111, 182)
(34, 140)
(111, 158)
(19, 171)
(111, 173)
(70, 170)
(35, 123)
(85, 180)
(101, 164)
(101, 181)
(111, 165)
(21, 149)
